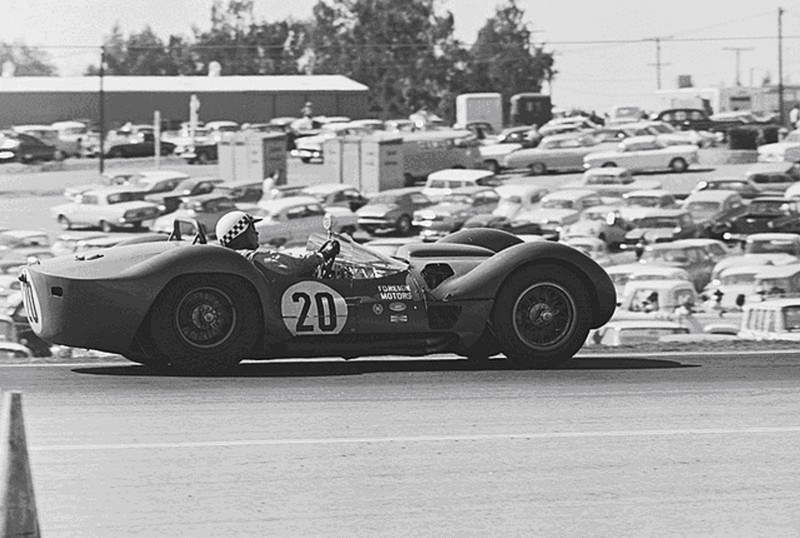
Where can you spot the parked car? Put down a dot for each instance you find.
(450, 214)
(558, 210)
(514, 198)
(206, 209)
(509, 139)
(144, 181)
(637, 204)
(603, 222)
(643, 153)
(746, 187)
(671, 135)
(134, 141)
(700, 120)
(20, 147)
(649, 298)
(241, 192)
(766, 214)
(775, 319)
(634, 332)
(440, 184)
(612, 181)
(762, 249)
(169, 201)
(776, 281)
(694, 259)
(661, 226)
(554, 153)
(713, 210)
(50, 136)
(109, 209)
(392, 211)
(310, 148)
(335, 195)
(19, 247)
(623, 273)
(774, 176)
(290, 221)
(730, 288)
(593, 247)
(67, 243)
(787, 150)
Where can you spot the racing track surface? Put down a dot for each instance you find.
(612, 446)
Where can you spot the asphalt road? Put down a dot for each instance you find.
(611, 446)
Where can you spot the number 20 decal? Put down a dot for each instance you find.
(313, 308)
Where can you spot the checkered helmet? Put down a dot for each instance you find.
(232, 225)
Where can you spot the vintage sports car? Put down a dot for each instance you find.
(202, 308)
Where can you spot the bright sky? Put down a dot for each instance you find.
(590, 75)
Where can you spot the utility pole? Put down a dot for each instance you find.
(780, 65)
(101, 159)
(738, 51)
(658, 63)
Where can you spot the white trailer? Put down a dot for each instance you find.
(472, 107)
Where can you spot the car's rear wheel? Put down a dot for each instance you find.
(205, 324)
(106, 226)
(609, 165)
(538, 169)
(202, 157)
(404, 225)
(64, 222)
(542, 314)
(493, 165)
(678, 165)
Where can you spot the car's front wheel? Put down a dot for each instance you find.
(542, 314)
(678, 165)
(538, 169)
(205, 324)
(404, 225)
(106, 226)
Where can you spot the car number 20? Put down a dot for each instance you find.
(311, 307)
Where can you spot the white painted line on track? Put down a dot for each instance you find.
(421, 439)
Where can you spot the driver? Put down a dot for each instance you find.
(236, 230)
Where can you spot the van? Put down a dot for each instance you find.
(428, 151)
(442, 183)
(775, 319)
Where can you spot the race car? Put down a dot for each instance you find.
(200, 308)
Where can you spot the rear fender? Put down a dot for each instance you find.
(485, 281)
(209, 259)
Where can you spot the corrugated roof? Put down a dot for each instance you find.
(198, 84)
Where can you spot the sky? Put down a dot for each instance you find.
(605, 50)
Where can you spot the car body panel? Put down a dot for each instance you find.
(642, 153)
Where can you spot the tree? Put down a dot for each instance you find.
(28, 61)
(144, 53)
(402, 49)
(502, 58)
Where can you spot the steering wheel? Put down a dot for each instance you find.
(326, 267)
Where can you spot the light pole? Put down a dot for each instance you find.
(738, 51)
(102, 111)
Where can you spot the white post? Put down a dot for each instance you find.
(157, 136)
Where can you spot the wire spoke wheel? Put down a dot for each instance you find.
(205, 317)
(544, 315)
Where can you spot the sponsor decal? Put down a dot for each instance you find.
(398, 318)
(398, 307)
(394, 292)
(311, 307)
(377, 308)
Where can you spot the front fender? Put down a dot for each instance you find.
(485, 281)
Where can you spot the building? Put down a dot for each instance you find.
(26, 100)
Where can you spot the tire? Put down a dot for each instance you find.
(678, 165)
(202, 158)
(64, 222)
(609, 165)
(116, 153)
(106, 226)
(305, 160)
(483, 348)
(493, 165)
(538, 169)
(204, 325)
(560, 301)
(403, 226)
(59, 155)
